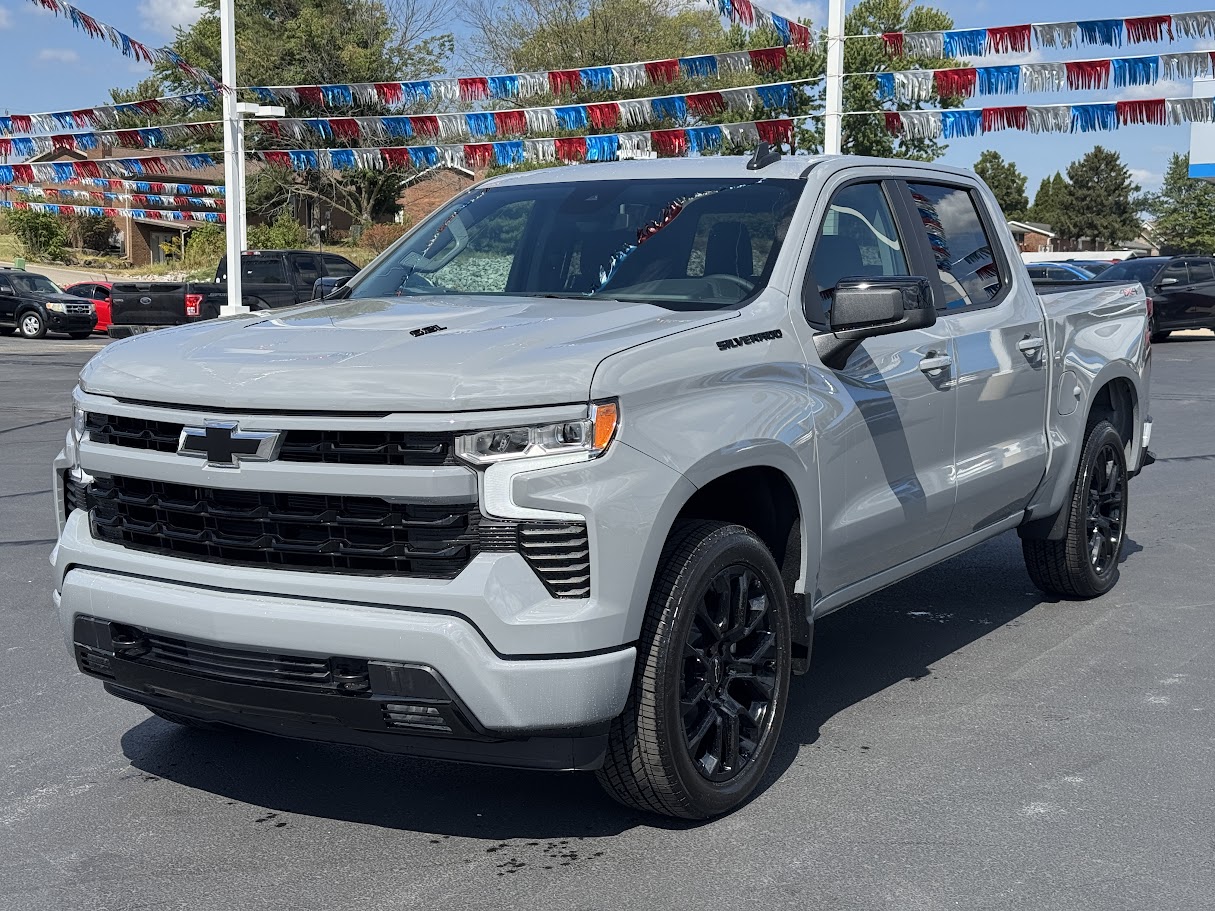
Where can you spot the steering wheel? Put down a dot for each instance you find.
(738, 280)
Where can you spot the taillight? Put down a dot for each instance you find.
(1150, 309)
(193, 304)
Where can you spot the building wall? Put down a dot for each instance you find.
(1202, 136)
(1032, 242)
(420, 199)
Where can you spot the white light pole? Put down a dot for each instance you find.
(833, 121)
(234, 159)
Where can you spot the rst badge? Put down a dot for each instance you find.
(223, 444)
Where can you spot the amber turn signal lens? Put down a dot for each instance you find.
(606, 417)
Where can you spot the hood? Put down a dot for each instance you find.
(62, 298)
(449, 353)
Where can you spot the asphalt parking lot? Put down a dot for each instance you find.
(960, 743)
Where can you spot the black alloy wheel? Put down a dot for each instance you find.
(1106, 495)
(729, 675)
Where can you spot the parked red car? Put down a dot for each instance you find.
(99, 294)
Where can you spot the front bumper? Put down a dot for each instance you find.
(70, 322)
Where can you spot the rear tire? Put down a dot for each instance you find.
(1084, 563)
(31, 325)
(712, 678)
(79, 335)
(1158, 337)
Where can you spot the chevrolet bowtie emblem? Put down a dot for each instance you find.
(224, 445)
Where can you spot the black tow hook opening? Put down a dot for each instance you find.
(128, 641)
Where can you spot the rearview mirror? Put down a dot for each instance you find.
(867, 307)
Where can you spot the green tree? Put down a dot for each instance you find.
(1006, 182)
(1099, 201)
(41, 233)
(1049, 199)
(1184, 210)
(284, 233)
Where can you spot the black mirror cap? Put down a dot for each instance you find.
(868, 307)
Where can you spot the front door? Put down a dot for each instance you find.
(1000, 366)
(1171, 296)
(1200, 294)
(885, 443)
(8, 303)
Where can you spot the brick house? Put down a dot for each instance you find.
(425, 191)
(1032, 236)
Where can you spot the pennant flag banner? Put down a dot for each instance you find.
(976, 42)
(1116, 72)
(539, 121)
(142, 200)
(752, 16)
(65, 171)
(144, 138)
(106, 212)
(606, 147)
(144, 186)
(102, 115)
(614, 77)
(1049, 118)
(136, 50)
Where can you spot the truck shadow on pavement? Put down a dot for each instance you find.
(896, 635)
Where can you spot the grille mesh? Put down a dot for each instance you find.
(251, 667)
(558, 552)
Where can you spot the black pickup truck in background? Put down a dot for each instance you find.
(269, 279)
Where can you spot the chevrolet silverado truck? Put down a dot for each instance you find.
(270, 279)
(567, 476)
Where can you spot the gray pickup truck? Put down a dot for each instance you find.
(566, 477)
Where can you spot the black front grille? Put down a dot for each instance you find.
(339, 447)
(558, 552)
(316, 532)
(75, 494)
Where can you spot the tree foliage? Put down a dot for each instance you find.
(1184, 210)
(284, 233)
(40, 233)
(1050, 198)
(1099, 202)
(1006, 182)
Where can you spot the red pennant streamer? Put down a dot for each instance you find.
(662, 71)
(22, 123)
(479, 154)
(88, 169)
(1148, 28)
(705, 104)
(474, 88)
(311, 94)
(799, 35)
(23, 172)
(564, 82)
(150, 106)
(955, 83)
(744, 11)
(277, 159)
(140, 51)
(110, 213)
(271, 126)
(345, 127)
(1088, 74)
(603, 116)
(894, 43)
(1013, 117)
(1008, 38)
(768, 59)
(775, 131)
(390, 92)
(84, 118)
(510, 123)
(66, 141)
(894, 122)
(396, 157)
(425, 124)
(129, 138)
(671, 143)
(1148, 110)
(572, 148)
(154, 165)
(6, 147)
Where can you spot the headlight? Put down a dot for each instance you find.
(78, 419)
(56, 306)
(591, 435)
(74, 435)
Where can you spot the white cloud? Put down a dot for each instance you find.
(798, 9)
(58, 55)
(6, 18)
(1165, 88)
(163, 16)
(1148, 180)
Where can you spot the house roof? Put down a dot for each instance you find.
(1036, 227)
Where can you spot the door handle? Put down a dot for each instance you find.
(935, 365)
(1030, 346)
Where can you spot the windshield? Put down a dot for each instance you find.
(1131, 270)
(33, 284)
(677, 243)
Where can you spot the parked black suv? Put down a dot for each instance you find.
(1182, 289)
(33, 305)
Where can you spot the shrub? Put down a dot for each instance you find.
(89, 232)
(284, 233)
(381, 237)
(39, 232)
(204, 247)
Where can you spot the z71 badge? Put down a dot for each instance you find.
(727, 344)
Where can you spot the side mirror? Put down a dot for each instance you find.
(867, 307)
(1168, 281)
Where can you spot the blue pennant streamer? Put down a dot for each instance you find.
(416, 91)
(674, 108)
(705, 65)
(963, 122)
(481, 123)
(196, 100)
(424, 156)
(23, 146)
(139, 213)
(263, 94)
(304, 159)
(704, 139)
(6, 173)
(885, 83)
(572, 117)
(999, 80)
(50, 207)
(64, 171)
(64, 119)
(1087, 118)
(1101, 31)
(781, 24)
(152, 137)
(598, 78)
(342, 159)
(969, 42)
(602, 148)
(194, 162)
(338, 95)
(509, 152)
(130, 164)
(504, 86)
(96, 210)
(775, 96)
(397, 126)
(6, 124)
(1135, 71)
(320, 125)
(87, 141)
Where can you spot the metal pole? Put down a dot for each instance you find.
(234, 159)
(833, 121)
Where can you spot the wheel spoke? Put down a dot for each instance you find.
(729, 738)
(697, 736)
(690, 702)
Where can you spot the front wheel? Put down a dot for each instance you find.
(712, 677)
(31, 325)
(1084, 563)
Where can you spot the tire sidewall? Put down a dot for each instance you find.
(728, 546)
(1098, 436)
(41, 330)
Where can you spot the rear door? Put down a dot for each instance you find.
(302, 272)
(1170, 294)
(8, 302)
(1000, 370)
(1201, 303)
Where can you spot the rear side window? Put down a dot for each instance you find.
(262, 270)
(1200, 271)
(304, 270)
(961, 247)
(5, 287)
(335, 265)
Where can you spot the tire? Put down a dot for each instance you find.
(31, 324)
(183, 720)
(79, 335)
(1157, 335)
(1084, 563)
(703, 650)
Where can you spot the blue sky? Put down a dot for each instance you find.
(48, 66)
